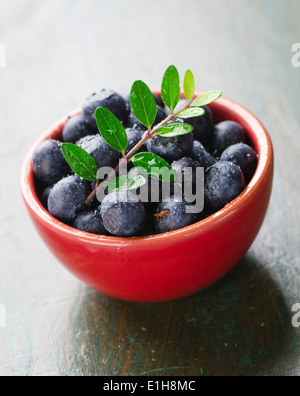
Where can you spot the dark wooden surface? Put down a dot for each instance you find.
(60, 51)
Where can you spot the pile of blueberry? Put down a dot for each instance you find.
(221, 149)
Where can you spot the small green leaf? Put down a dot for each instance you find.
(143, 104)
(189, 85)
(176, 129)
(154, 166)
(192, 112)
(126, 182)
(206, 98)
(170, 88)
(111, 129)
(80, 161)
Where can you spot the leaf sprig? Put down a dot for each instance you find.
(145, 110)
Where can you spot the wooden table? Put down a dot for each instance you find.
(57, 53)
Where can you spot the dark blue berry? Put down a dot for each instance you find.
(49, 164)
(244, 156)
(103, 154)
(123, 214)
(172, 215)
(172, 149)
(66, 196)
(224, 181)
(202, 156)
(108, 99)
(90, 222)
(226, 133)
(76, 128)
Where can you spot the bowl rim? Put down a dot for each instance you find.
(265, 162)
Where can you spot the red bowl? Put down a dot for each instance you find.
(167, 266)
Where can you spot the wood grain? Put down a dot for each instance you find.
(59, 52)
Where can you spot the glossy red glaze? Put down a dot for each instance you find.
(168, 266)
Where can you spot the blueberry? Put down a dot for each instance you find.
(66, 196)
(203, 126)
(90, 222)
(133, 122)
(172, 149)
(226, 133)
(244, 156)
(123, 214)
(202, 156)
(186, 162)
(171, 216)
(224, 181)
(134, 136)
(76, 128)
(49, 164)
(108, 99)
(103, 154)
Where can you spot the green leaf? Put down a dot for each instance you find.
(126, 182)
(170, 88)
(154, 166)
(143, 104)
(111, 129)
(189, 85)
(206, 98)
(192, 112)
(80, 161)
(176, 129)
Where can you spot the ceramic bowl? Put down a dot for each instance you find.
(167, 266)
